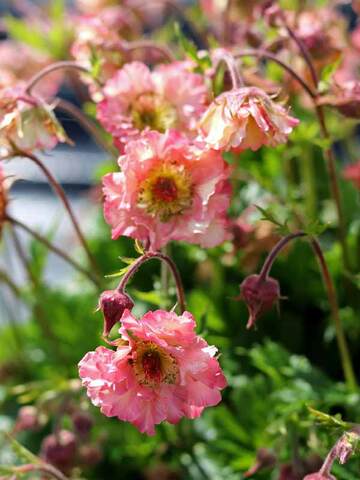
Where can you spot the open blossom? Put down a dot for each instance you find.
(168, 190)
(161, 371)
(137, 100)
(27, 123)
(243, 118)
(352, 173)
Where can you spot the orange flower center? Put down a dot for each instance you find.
(153, 365)
(167, 191)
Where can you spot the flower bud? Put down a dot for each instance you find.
(90, 455)
(113, 304)
(259, 295)
(346, 445)
(264, 459)
(82, 422)
(28, 419)
(59, 449)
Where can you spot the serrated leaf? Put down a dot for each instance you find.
(332, 421)
(120, 273)
(315, 228)
(268, 215)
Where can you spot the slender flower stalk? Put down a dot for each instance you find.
(63, 198)
(328, 153)
(145, 44)
(340, 335)
(64, 65)
(44, 468)
(55, 250)
(230, 62)
(260, 53)
(329, 156)
(86, 123)
(164, 258)
(345, 357)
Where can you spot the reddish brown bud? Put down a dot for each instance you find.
(113, 304)
(264, 459)
(259, 295)
(345, 98)
(90, 455)
(59, 449)
(28, 418)
(82, 422)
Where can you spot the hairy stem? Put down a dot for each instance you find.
(54, 249)
(86, 123)
(64, 200)
(340, 335)
(164, 258)
(64, 65)
(229, 60)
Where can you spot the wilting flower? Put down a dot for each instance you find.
(137, 100)
(260, 295)
(168, 190)
(113, 304)
(27, 123)
(245, 118)
(345, 97)
(161, 371)
(352, 173)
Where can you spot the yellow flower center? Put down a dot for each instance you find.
(166, 192)
(153, 365)
(151, 110)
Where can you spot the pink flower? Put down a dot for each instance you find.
(98, 39)
(352, 173)
(168, 190)
(138, 100)
(245, 118)
(161, 371)
(27, 123)
(319, 476)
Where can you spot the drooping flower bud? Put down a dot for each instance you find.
(82, 422)
(264, 459)
(28, 418)
(346, 445)
(113, 304)
(59, 450)
(345, 97)
(259, 295)
(90, 455)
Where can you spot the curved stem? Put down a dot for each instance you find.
(54, 249)
(85, 122)
(63, 198)
(304, 52)
(4, 277)
(45, 468)
(259, 53)
(340, 335)
(65, 65)
(265, 270)
(229, 60)
(144, 44)
(164, 258)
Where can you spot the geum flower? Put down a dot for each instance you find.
(137, 100)
(245, 117)
(168, 190)
(160, 371)
(27, 123)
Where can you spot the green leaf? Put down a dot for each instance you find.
(268, 215)
(24, 33)
(22, 452)
(203, 61)
(331, 421)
